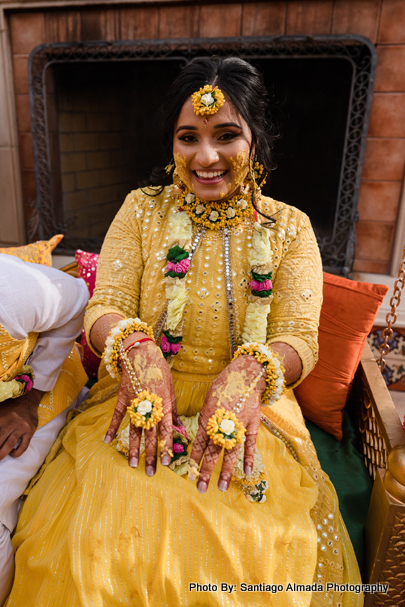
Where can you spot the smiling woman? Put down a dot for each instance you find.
(233, 301)
(212, 153)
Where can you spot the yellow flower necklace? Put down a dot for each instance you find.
(216, 215)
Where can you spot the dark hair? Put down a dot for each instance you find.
(241, 81)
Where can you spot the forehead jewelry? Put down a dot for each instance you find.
(207, 100)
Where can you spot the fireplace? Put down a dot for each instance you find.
(96, 136)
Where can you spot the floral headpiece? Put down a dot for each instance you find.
(207, 100)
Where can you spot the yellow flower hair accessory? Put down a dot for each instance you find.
(207, 100)
(225, 429)
(146, 410)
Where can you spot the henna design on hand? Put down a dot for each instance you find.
(155, 376)
(247, 368)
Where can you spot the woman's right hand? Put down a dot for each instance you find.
(154, 375)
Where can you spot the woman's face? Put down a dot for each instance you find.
(212, 152)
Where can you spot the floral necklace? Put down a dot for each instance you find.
(181, 249)
(215, 215)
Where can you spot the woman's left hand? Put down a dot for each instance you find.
(226, 391)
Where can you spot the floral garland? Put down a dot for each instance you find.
(274, 370)
(214, 215)
(261, 287)
(21, 384)
(178, 263)
(207, 100)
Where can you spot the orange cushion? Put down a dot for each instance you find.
(348, 312)
(36, 252)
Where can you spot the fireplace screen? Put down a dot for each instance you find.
(96, 134)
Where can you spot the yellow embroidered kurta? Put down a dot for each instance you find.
(72, 377)
(95, 532)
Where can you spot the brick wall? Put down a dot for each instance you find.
(380, 20)
(94, 160)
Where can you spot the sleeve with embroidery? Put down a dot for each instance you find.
(297, 289)
(120, 267)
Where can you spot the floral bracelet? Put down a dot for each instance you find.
(274, 370)
(19, 385)
(117, 335)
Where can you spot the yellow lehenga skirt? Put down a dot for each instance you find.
(94, 532)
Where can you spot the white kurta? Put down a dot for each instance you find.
(35, 298)
(47, 301)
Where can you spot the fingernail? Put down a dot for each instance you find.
(133, 461)
(190, 476)
(149, 471)
(202, 487)
(107, 439)
(166, 459)
(248, 470)
(223, 485)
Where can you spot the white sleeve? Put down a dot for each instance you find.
(47, 301)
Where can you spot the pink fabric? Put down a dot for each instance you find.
(87, 269)
(255, 285)
(180, 267)
(181, 430)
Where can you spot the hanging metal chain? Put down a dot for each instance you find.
(392, 316)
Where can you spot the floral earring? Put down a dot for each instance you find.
(255, 175)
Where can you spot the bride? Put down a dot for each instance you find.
(205, 312)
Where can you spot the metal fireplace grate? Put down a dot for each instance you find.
(338, 246)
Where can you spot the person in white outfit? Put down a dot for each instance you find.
(41, 314)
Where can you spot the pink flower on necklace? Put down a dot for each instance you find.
(180, 267)
(175, 348)
(266, 285)
(165, 344)
(178, 448)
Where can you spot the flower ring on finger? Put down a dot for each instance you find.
(146, 410)
(225, 430)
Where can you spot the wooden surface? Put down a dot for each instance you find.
(383, 405)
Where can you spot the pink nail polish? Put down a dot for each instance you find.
(202, 487)
(107, 439)
(149, 471)
(133, 462)
(248, 470)
(223, 485)
(166, 459)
